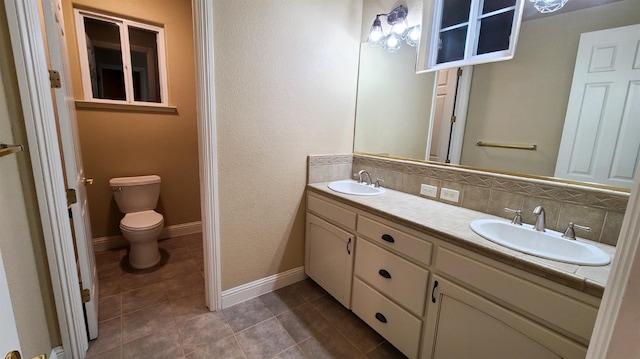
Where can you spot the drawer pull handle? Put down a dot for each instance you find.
(387, 238)
(384, 273)
(433, 291)
(348, 246)
(381, 317)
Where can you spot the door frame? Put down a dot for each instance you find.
(27, 42)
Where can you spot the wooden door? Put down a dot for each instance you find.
(74, 170)
(444, 103)
(600, 141)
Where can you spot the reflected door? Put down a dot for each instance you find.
(600, 141)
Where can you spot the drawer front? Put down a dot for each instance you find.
(332, 212)
(572, 315)
(404, 243)
(392, 322)
(404, 282)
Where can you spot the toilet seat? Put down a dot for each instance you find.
(141, 221)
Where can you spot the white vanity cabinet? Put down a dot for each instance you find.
(500, 315)
(329, 249)
(391, 279)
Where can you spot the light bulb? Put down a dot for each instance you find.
(392, 43)
(547, 6)
(376, 35)
(400, 29)
(413, 35)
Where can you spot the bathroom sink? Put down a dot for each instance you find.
(353, 187)
(548, 244)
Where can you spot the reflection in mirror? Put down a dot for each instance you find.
(524, 100)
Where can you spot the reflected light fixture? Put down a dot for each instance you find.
(400, 31)
(547, 6)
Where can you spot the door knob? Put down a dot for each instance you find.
(87, 180)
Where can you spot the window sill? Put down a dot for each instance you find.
(90, 105)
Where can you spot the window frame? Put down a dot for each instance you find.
(432, 16)
(125, 48)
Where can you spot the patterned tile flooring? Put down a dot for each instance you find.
(160, 313)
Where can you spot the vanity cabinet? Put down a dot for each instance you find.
(329, 249)
(431, 298)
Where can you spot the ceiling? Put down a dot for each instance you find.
(531, 13)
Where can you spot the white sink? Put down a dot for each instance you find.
(353, 187)
(548, 244)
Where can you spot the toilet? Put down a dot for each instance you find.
(137, 197)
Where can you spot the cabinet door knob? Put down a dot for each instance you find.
(384, 273)
(381, 317)
(348, 246)
(387, 238)
(433, 291)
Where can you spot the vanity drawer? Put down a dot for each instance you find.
(404, 282)
(332, 212)
(404, 243)
(392, 322)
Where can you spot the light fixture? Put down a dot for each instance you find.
(547, 6)
(399, 31)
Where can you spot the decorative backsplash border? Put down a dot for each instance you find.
(602, 210)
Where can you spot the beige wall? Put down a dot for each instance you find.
(286, 76)
(524, 100)
(123, 143)
(21, 239)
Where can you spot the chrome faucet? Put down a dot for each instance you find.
(539, 212)
(363, 172)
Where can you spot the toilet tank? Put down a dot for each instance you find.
(135, 194)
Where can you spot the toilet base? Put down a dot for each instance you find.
(144, 255)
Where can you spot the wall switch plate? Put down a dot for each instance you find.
(450, 195)
(429, 191)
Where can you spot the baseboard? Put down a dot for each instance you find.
(57, 353)
(112, 242)
(262, 286)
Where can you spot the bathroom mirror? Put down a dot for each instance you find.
(521, 101)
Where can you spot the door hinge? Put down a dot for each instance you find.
(71, 196)
(85, 294)
(459, 71)
(54, 78)
(453, 119)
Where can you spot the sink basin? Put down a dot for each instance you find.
(548, 244)
(353, 187)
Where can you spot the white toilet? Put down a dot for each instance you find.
(137, 197)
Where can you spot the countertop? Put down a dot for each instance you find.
(451, 224)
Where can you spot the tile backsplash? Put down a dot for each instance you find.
(602, 210)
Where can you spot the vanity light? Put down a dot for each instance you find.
(547, 6)
(391, 42)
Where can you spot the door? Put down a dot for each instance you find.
(600, 141)
(461, 324)
(8, 331)
(445, 100)
(329, 258)
(74, 172)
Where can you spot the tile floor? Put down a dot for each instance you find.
(160, 313)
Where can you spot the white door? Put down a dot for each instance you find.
(600, 141)
(8, 331)
(74, 172)
(445, 100)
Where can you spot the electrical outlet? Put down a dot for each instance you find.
(450, 195)
(429, 191)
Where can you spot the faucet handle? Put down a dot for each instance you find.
(570, 233)
(379, 182)
(517, 218)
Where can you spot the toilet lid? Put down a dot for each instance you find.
(139, 221)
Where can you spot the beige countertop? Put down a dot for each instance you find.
(451, 223)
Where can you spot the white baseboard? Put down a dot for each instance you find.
(57, 353)
(262, 286)
(105, 243)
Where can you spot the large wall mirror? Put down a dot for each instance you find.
(520, 101)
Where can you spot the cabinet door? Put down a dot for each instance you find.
(461, 324)
(329, 258)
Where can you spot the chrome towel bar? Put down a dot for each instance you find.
(507, 145)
